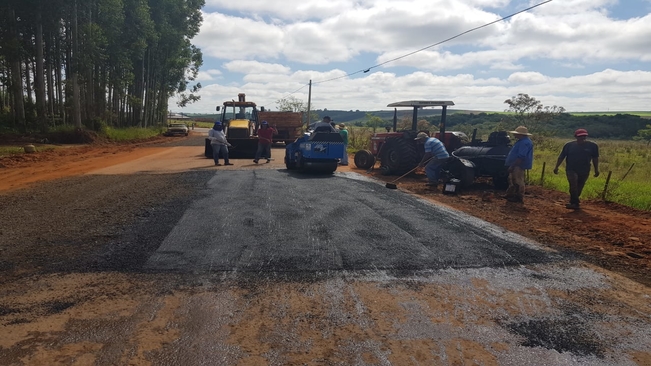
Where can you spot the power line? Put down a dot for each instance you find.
(432, 45)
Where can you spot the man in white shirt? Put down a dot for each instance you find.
(218, 143)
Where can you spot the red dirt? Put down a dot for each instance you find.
(610, 235)
(613, 236)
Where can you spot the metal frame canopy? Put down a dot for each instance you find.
(422, 103)
(416, 104)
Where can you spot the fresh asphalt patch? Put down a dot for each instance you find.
(277, 221)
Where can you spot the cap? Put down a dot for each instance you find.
(421, 136)
(265, 122)
(218, 123)
(580, 132)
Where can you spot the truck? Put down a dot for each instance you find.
(288, 124)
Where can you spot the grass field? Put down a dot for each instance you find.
(609, 113)
(132, 133)
(629, 162)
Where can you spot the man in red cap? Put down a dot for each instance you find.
(265, 138)
(578, 153)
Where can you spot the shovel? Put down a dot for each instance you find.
(392, 184)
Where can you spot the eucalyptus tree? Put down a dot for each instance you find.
(117, 61)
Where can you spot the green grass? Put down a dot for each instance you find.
(10, 150)
(15, 150)
(132, 133)
(641, 114)
(201, 124)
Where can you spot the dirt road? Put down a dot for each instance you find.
(79, 285)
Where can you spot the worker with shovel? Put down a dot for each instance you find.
(435, 156)
(265, 138)
(219, 143)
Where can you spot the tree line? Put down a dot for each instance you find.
(96, 62)
(522, 110)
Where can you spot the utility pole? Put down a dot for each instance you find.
(309, 100)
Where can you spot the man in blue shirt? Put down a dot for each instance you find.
(520, 158)
(437, 155)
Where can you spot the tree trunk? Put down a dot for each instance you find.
(76, 106)
(40, 80)
(49, 62)
(28, 82)
(16, 79)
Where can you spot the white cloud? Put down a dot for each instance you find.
(574, 53)
(527, 78)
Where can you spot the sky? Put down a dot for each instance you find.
(582, 55)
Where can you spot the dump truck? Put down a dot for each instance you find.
(288, 124)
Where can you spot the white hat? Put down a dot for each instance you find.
(521, 131)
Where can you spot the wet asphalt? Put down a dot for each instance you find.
(275, 220)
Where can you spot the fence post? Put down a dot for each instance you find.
(542, 176)
(628, 171)
(603, 194)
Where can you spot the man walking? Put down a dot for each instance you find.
(265, 138)
(578, 153)
(435, 156)
(344, 135)
(519, 159)
(218, 143)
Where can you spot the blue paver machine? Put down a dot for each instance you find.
(315, 152)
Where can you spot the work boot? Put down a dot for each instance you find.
(217, 164)
(515, 199)
(228, 163)
(255, 161)
(268, 160)
(572, 206)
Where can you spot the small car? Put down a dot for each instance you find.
(177, 129)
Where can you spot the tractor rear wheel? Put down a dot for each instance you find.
(364, 159)
(399, 156)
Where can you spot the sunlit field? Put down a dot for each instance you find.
(629, 162)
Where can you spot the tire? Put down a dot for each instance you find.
(300, 164)
(385, 170)
(290, 165)
(364, 159)
(399, 155)
(501, 180)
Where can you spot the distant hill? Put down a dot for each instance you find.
(610, 125)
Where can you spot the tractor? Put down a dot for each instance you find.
(241, 123)
(398, 153)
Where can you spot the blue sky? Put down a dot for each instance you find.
(583, 55)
